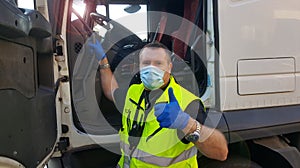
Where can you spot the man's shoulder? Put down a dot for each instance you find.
(135, 88)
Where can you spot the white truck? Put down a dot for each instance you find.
(242, 57)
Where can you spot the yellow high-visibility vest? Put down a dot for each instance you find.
(163, 149)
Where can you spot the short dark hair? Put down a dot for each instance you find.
(159, 45)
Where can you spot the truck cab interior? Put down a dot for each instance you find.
(119, 42)
(169, 22)
(30, 38)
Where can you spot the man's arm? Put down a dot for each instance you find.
(211, 143)
(108, 81)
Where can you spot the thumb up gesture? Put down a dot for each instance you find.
(170, 115)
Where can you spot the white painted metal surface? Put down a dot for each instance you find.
(259, 29)
(262, 76)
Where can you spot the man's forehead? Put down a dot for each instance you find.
(153, 52)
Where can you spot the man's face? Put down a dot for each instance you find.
(156, 57)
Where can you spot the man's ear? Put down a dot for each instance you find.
(170, 67)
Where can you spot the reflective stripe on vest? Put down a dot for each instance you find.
(157, 160)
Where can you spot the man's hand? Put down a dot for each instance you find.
(170, 115)
(96, 48)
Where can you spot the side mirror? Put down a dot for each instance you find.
(132, 8)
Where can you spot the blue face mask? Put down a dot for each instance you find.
(152, 77)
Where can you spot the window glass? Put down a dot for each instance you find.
(79, 7)
(27, 4)
(128, 20)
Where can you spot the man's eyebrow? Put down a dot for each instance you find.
(160, 61)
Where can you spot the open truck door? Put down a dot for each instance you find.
(28, 126)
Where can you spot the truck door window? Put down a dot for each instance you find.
(79, 7)
(28, 4)
(129, 20)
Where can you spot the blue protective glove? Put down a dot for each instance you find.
(96, 48)
(170, 115)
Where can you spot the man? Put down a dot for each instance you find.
(152, 124)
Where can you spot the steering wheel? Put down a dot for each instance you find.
(118, 40)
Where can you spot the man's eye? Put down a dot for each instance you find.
(146, 63)
(158, 63)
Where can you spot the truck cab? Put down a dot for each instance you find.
(241, 57)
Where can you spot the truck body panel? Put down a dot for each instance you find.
(257, 68)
